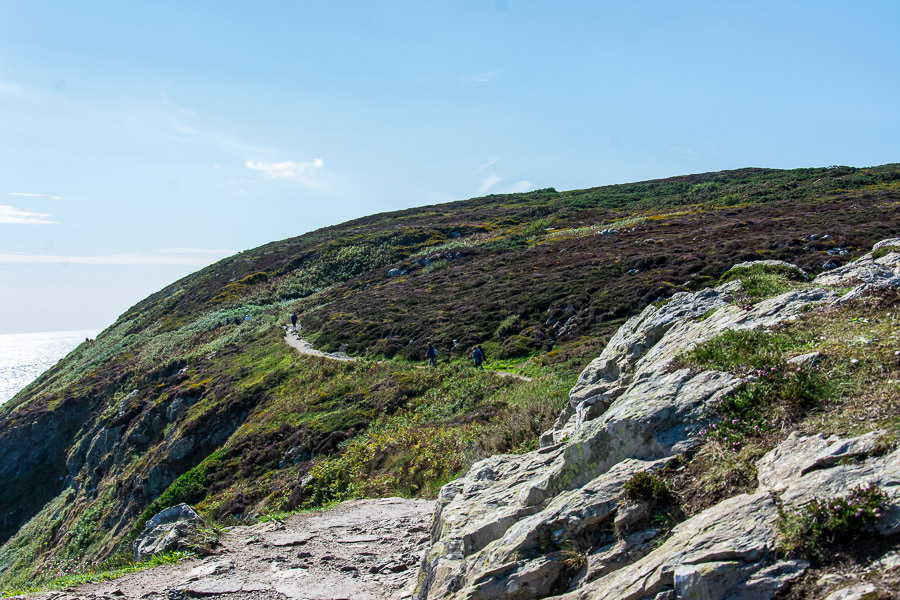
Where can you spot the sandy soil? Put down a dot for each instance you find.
(359, 550)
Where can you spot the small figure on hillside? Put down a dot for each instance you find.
(237, 321)
(294, 320)
(431, 355)
(478, 357)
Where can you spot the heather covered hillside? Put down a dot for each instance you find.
(193, 396)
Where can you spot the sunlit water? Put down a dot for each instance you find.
(24, 356)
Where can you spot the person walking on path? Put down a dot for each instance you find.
(478, 357)
(431, 355)
(294, 320)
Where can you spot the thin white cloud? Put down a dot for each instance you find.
(7, 88)
(198, 251)
(490, 163)
(171, 256)
(521, 186)
(489, 182)
(303, 172)
(482, 77)
(30, 195)
(10, 215)
(286, 169)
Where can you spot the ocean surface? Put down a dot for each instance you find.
(24, 356)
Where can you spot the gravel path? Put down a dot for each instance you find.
(359, 550)
(292, 338)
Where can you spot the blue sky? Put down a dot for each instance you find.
(140, 141)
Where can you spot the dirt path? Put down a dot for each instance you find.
(292, 338)
(359, 550)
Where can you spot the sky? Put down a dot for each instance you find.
(143, 140)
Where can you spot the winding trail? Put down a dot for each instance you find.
(292, 338)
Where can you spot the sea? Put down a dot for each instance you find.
(24, 356)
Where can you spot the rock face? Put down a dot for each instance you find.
(512, 526)
(174, 528)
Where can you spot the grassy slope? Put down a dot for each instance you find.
(257, 417)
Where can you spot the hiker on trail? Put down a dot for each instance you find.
(431, 354)
(478, 357)
(294, 320)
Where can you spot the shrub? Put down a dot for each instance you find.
(884, 251)
(536, 228)
(805, 531)
(517, 346)
(508, 326)
(437, 265)
(401, 457)
(647, 487)
(761, 281)
(747, 412)
(744, 349)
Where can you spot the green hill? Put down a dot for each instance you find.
(192, 394)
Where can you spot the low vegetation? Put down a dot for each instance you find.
(193, 396)
(104, 571)
(822, 523)
(847, 383)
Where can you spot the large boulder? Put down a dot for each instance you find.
(175, 528)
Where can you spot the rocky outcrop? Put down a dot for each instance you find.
(175, 528)
(867, 273)
(516, 526)
(33, 450)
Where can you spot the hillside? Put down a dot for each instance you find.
(193, 396)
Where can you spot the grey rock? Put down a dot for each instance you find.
(707, 581)
(860, 591)
(891, 560)
(799, 455)
(178, 407)
(805, 360)
(866, 269)
(174, 528)
(887, 242)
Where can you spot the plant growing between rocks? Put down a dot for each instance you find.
(649, 501)
(821, 523)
